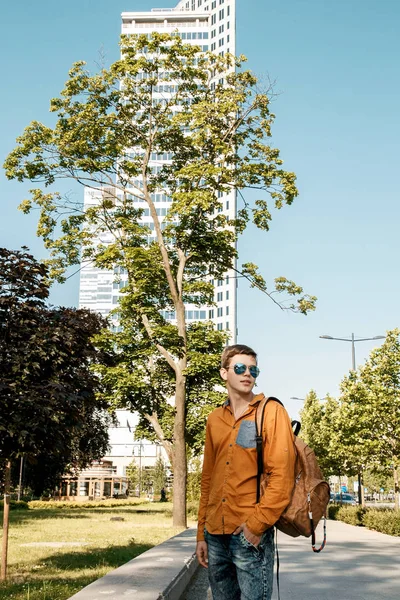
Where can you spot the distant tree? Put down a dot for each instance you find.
(311, 416)
(333, 457)
(380, 478)
(217, 137)
(379, 407)
(147, 480)
(194, 479)
(159, 476)
(132, 472)
(319, 431)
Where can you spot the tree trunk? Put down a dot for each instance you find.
(179, 464)
(21, 470)
(167, 445)
(396, 488)
(361, 500)
(6, 518)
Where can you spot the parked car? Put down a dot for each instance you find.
(345, 498)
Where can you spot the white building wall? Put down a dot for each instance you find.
(125, 447)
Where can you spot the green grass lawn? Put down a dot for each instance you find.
(56, 573)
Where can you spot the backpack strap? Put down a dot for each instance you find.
(296, 426)
(259, 419)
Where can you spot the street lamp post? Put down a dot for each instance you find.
(353, 341)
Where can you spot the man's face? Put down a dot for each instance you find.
(242, 384)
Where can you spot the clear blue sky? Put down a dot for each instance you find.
(336, 66)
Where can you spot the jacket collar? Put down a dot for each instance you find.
(256, 400)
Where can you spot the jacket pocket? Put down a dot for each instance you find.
(246, 437)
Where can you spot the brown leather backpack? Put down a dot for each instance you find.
(311, 493)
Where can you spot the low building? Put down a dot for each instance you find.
(108, 478)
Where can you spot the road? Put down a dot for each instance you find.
(356, 564)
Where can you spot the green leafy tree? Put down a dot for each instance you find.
(333, 457)
(319, 431)
(380, 478)
(159, 476)
(144, 382)
(353, 428)
(194, 479)
(108, 127)
(369, 418)
(50, 411)
(48, 384)
(311, 417)
(380, 395)
(132, 472)
(147, 480)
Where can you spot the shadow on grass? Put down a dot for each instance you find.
(110, 557)
(57, 588)
(38, 589)
(21, 516)
(61, 588)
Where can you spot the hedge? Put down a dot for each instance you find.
(384, 520)
(56, 504)
(353, 515)
(15, 505)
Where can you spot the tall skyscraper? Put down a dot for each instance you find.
(210, 25)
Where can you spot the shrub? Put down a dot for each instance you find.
(383, 520)
(333, 510)
(55, 504)
(15, 505)
(194, 481)
(192, 509)
(353, 515)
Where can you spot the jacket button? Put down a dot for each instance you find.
(227, 462)
(223, 499)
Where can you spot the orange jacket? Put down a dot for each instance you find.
(229, 478)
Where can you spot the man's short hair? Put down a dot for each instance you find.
(231, 351)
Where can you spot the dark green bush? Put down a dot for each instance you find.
(384, 521)
(192, 509)
(15, 505)
(353, 515)
(333, 510)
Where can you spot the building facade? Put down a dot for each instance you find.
(211, 25)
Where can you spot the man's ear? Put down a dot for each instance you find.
(224, 373)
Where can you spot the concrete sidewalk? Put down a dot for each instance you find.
(161, 573)
(356, 564)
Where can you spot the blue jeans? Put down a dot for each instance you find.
(237, 570)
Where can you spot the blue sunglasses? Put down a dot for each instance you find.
(241, 368)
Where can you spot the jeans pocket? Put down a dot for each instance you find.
(245, 542)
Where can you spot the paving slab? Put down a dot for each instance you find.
(356, 564)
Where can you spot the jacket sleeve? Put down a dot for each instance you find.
(279, 457)
(208, 464)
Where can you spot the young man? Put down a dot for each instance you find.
(235, 538)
